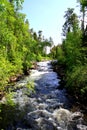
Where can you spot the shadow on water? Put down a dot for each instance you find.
(13, 117)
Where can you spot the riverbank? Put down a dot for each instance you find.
(14, 79)
(59, 69)
(78, 104)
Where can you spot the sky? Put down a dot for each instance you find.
(47, 15)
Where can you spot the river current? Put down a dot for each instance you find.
(48, 107)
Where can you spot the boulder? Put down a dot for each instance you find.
(62, 115)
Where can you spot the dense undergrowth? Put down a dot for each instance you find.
(72, 56)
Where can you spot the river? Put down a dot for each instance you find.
(48, 107)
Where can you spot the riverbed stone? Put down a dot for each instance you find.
(62, 115)
(81, 127)
(45, 124)
(76, 115)
(39, 113)
(31, 123)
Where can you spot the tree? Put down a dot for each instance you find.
(39, 35)
(71, 23)
(83, 6)
(51, 41)
(35, 36)
(17, 3)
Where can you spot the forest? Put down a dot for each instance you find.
(20, 45)
(72, 53)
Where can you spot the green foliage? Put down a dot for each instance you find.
(9, 100)
(71, 23)
(77, 80)
(7, 111)
(60, 55)
(53, 53)
(30, 86)
(83, 3)
(5, 72)
(72, 49)
(72, 55)
(18, 46)
(39, 57)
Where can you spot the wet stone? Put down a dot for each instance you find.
(81, 127)
(46, 124)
